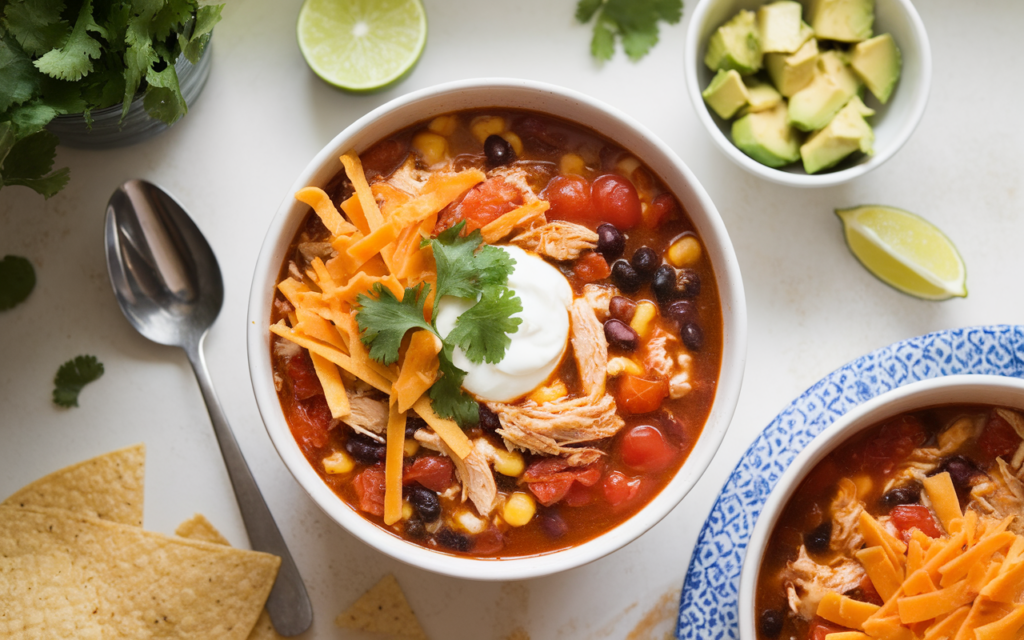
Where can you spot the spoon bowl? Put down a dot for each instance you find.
(168, 284)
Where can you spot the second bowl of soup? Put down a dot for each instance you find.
(499, 330)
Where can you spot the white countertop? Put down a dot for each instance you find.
(263, 115)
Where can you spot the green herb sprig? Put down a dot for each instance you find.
(17, 279)
(75, 56)
(72, 376)
(464, 270)
(635, 21)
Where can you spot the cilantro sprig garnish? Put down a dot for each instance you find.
(635, 21)
(75, 56)
(465, 269)
(17, 279)
(72, 376)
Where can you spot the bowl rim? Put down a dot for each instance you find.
(693, 60)
(943, 390)
(714, 235)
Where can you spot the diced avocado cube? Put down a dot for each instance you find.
(780, 28)
(847, 132)
(833, 85)
(766, 136)
(761, 96)
(726, 93)
(842, 20)
(791, 73)
(877, 61)
(735, 45)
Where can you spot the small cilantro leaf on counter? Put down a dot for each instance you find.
(17, 279)
(482, 331)
(384, 320)
(72, 376)
(635, 21)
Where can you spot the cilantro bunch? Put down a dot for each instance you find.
(635, 21)
(74, 56)
(464, 270)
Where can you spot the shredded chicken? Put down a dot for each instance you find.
(557, 240)
(1007, 497)
(680, 385)
(519, 177)
(590, 348)
(310, 250)
(657, 359)
(599, 297)
(408, 178)
(846, 510)
(474, 474)
(369, 415)
(807, 582)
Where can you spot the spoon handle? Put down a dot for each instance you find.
(288, 604)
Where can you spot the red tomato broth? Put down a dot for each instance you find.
(583, 509)
(874, 453)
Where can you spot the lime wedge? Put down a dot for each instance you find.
(905, 251)
(362, 45)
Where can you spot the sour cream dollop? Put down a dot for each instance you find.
(537, 347)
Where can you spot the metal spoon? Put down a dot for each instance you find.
(168, 283)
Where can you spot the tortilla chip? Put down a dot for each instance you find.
(65, 575)
(199, 528)
(383, 609)
(108, 487)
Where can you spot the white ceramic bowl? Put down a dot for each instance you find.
(893, 122)
(963, 389)
(425, 104)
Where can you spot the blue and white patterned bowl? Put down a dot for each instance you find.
(709, 608)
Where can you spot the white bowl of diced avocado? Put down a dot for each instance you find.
(811, 93)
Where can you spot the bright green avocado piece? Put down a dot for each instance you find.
(780, 28)
(842, 20)
(735, 45)
(792, 72)
(877, 62)
(847, 132)
(833, 85)
(761, 96)
(726, 93)
(766, 136)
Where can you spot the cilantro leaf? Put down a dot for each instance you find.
(634, 21)
(163, 99)
(384, 320)
(206, 17)
(37, 25)
(447, 397)
(32, 117)
(482, 331)
(17, 279)
(73, 59)
(72, 376)
(462, 271)
(19, 80)
(29, 159)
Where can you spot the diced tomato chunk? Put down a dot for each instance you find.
(302, 376)
(644, 448)
(820, 628)
(544, 469)
(896, 440)
(591, 268)
(578, 495)
(550, 479)
(488, 542)
(662, 207)
(914, 516)
(616, 201)
(589, 475)
(433, 472)
(641, 395)
(369, 486)
(998, 438)
(569, 197)
(620, 488)
(310, 422)
(549, 492)
(482, 204)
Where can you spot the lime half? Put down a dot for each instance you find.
(905, 251)
(362, 45)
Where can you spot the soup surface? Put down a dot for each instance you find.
(602, 389)
(911, 529)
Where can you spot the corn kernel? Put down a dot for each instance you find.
(431, 147)
(684, 252)
(627, 166)
(509, 463)
(410, 447)
(515, 141)
(338, 462)
(484, 126)
(553, 391)
(406, 510)
(863, 484)
(621, 365)
(571, 164)
(443, 125)
(519, 509)
(641, 323)
(469, 522)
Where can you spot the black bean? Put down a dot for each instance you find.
(681, 312)
(506, 484)
(674, 427)
(414, 528)
(552, 523)
(424, 501)
(620, 335)
(448, 538)
(688, 283)
(770, 623)
(907, 494)
(498, 151)
(817, 539)
(488, 419)
(645, 261)
(365, 449)
(621, 308)
(961, 471)
(610, 242)
(625, 276)
(664, 284)
(692, 336)
(412, 424)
